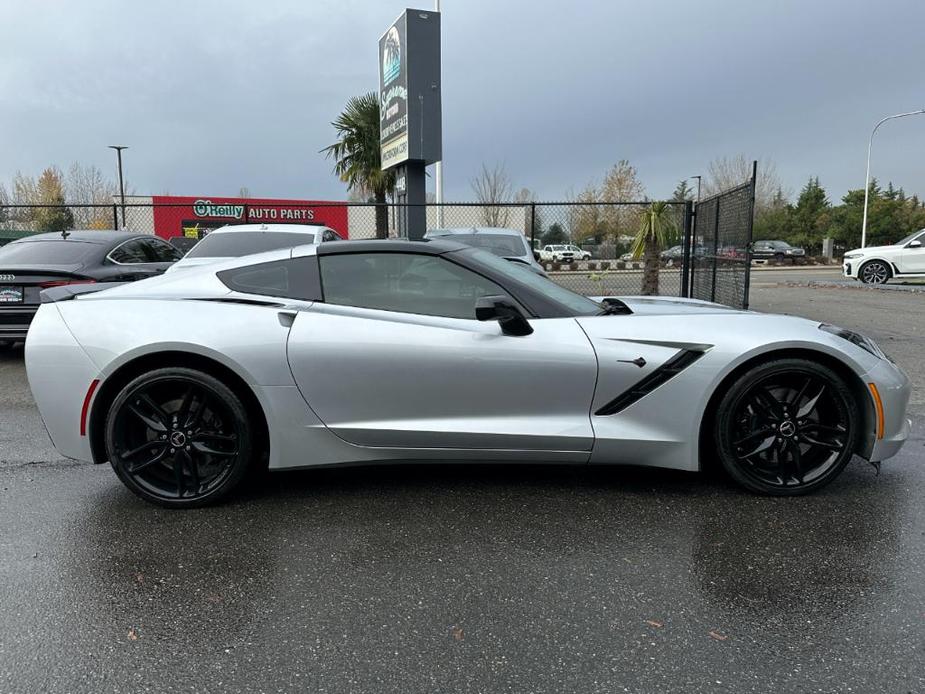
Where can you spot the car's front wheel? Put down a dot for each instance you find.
(178, 437)
(874, 272)
(786, 427)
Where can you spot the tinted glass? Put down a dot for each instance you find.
(404, 282)
(576, 303)
(234, 244)
(162, 252)
(48, 252)
(286, 279)
(131, 253)
(500, 244)
(329, 235)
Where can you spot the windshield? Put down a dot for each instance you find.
(910, 237)
(46, 252)
(234, 244)
(575, 303)
(501, 245)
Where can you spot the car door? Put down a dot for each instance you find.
(912, 257)
(394, 357)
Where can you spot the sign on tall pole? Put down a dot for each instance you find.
(410, 116)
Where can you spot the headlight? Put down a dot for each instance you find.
(852, 256)
(857, 339)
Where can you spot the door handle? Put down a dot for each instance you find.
(286, 318)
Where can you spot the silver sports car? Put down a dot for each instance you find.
(377, 351)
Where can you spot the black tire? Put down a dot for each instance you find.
(779, 257)
(875, 272)
(786, 427)
(179, 438)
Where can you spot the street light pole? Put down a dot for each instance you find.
(870, 143)
(699, 178)
(119, 149)
(438, 167)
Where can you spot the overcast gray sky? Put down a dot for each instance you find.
(212, 96)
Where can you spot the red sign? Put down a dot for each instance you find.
(189, 216)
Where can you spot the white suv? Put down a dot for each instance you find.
(558, 253)
(877, 264)
(244, 239)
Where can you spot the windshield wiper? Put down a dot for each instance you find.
(614, 307)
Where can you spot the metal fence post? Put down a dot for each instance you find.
(686, 257)
(115, 217)
(749, 232)
(247, 213)
(532, 226)
(719, 201)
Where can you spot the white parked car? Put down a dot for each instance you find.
(558, 253)
(878, 264)
(246, 239)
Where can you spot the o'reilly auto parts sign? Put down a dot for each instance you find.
(409, 89)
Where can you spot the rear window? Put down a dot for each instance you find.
(46, 252)
(499, 244)
(234, 244)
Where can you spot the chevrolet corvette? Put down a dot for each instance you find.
(394, 351)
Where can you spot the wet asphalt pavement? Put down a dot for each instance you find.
(476, 579)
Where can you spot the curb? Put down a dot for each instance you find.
(817, 284)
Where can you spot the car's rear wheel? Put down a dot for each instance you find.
(875, 272)
(786, 427)
(179, 437)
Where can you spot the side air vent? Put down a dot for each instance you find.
(662, 374)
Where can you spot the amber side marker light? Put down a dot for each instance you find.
(878, 403)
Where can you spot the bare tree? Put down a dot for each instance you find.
(525, 196)
(491, 187)
(244, 192)
(728, 172)
(86, 185)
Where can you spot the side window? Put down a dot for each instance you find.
(130, 253)
(296, 278)
(329, 235)
(404, 282)
(162, 252)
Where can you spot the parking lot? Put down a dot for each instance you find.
(452, 578)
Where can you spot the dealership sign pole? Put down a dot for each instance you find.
(410, 120)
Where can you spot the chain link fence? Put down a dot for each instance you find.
(582, 246)
(585, 247)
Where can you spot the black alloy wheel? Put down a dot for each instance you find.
(779, 257)
(786, 427)
(178, 437)
(875, 272)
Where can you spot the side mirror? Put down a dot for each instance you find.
(536, 255)
(914, 244)
(503, 310)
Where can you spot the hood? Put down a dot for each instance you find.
(670, 305)
(872, 249)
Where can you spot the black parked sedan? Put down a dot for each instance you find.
(29, 265)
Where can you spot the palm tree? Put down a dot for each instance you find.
(656, 231)
(356, 155)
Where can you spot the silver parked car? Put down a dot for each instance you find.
(504, 243)
(375, 351)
